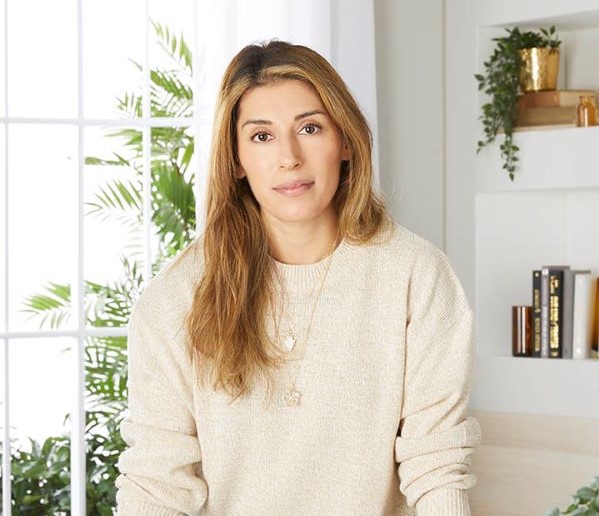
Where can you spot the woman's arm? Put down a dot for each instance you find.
(436, 438)
(161, 469)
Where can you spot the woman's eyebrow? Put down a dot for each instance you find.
(309, 113)
(256, 122)
(260, 121)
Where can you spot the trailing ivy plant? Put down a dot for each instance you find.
(500, 81)
(585, 502)
(40, 483)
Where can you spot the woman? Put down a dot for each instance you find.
(306, 356)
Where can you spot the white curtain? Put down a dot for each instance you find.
(342, 31)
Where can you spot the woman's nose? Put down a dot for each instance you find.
(290, 155)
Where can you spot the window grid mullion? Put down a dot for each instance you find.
(6, 448)
(78, 458)
(117, 331)
(199, 186)
(103, 122)
(147, 151)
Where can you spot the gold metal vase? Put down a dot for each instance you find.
(538, 69)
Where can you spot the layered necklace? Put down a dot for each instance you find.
(290, 339)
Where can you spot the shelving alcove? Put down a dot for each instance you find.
(548, 215)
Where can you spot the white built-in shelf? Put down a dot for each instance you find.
(545, 216)
(560, 387)
(570, 15)
(557, 159)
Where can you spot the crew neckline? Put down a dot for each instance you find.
(304, 275)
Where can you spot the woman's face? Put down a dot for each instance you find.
(290, 151)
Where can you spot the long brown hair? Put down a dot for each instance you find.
(226, 323)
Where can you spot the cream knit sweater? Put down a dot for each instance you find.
(381, 427)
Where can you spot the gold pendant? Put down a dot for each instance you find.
(292, 397)
(289, 340)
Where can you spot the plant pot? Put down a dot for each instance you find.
(538, 69)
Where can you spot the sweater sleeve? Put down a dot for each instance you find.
(160, 470)
(436, 437)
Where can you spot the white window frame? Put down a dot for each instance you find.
(80, 334)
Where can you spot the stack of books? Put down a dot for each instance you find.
(550, 108)
(564, 312)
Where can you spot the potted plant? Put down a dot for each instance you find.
(584, 503)
(508, 72)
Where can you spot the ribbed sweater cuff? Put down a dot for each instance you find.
(139, 508)
(443, 502)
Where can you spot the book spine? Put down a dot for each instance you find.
(556, 311)
(568, 312)
(595, 339)
(584, 308)
(546, 116)
(536, 313)
(558, 98)
(544, 313)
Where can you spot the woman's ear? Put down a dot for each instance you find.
(239, 172)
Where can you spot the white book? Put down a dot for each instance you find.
(585, 285)
(568, 311)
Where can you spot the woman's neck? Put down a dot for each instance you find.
(305, 243)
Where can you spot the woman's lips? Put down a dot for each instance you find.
(293, 188)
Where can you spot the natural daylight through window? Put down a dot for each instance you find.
(97, 124)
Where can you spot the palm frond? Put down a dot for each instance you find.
(168, 141)
(106, 371)
(120, 161)
(171, 96)
(120, 197)
(52, 307)
(110, 305)
(173, 205)
(176, 48)
(131, 105)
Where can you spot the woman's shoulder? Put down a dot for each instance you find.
(425, 267)
(398, 244)
(174, 285)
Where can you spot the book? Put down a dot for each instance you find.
(556, 313)
(554, 98)
(536, 313)
(583, 314)
(595, 340)
(568, 311)
(539, 116)
(551, 309)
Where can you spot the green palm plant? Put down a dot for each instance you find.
(40, 475)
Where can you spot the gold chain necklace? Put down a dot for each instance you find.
(289, 340)
(292, 396)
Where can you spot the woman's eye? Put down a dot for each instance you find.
(310, 129)
(261, 137)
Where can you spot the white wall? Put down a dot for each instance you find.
(409, 65)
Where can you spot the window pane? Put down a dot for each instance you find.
(42, 168)
(171, 48)
(2, 228)
(42, 58)
(113, 239)
(2, 403)
(173, 199)
(106, 394)
(113, 42)
(41, 390)
(2, 58)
